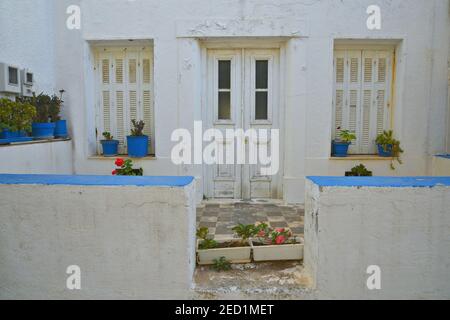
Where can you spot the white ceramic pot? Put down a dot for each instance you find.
(233, 255)
(278, 252)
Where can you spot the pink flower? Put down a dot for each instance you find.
(280, 240)
(262, 233)
(280, 230)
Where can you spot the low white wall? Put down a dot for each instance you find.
(403, 230)
(37, 158)
(131, 242)
(441, 166)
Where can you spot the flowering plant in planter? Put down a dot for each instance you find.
(275, 244)
(126, 168)
(209, 251)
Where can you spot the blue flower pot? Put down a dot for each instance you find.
(137, 146)
(110, 148)
(61, 129)
(340, 149)
(14, 136)
(43, 130)
(385, 153)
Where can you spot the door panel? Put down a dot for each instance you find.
(242, 88)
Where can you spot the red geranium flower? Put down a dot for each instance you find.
(114, 172)
(261, 233)
(280, 230)
(280, 240)
(119, 162)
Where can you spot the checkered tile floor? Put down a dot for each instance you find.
(220, 218)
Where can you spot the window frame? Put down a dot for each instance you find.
(112, 53)
(376, 51)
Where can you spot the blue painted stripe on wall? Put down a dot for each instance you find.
(393, 182)
(445, 156)
(94, 180)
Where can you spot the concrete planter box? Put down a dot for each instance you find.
(234, 255)
(277, 252)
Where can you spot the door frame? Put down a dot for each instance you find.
(247, 44)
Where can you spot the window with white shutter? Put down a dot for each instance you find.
(125, 92)
(362, 87)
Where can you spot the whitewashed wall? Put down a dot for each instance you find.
(37, 158)
(27, 39)
(130, 242)
(403, 230)
(307, 32)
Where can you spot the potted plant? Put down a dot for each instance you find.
(210, 251)
(47, 108)
(275, 245)
(388, 146)
(342, 143)
(15, 120)
(109, 145)
(359, 171)
(125, 168)
(60, 125)
(137, 142)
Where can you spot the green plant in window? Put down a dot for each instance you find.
(221, 264)
(346, 136)
(387, 141)
(138, 128)
(206, 243)
(107, 135)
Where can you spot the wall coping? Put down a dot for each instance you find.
(380, 182)
(91, 180)
(445, 156)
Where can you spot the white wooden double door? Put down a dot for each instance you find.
(242, 88)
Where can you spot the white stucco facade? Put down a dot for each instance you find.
(129, 242)
(304, 34)
(401, 230)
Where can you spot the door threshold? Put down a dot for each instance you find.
(252, 201)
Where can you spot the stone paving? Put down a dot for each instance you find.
(220, 218)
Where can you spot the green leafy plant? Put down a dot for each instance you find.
(16, 116)
(360, 171)
(245, 232)
(47, 107)
(138, 128)
(6, 111)
(126, 168)
(107, 136)
(346, 136)
(387, 141)
(221, 264)
(206, 243)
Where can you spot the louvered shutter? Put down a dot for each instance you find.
(146, 97)
(339, 92)
(106, 92)
(125, 77)
(362, 82)
(347, 74)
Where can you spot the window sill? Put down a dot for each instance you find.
(125, 157)
(15, 144)
(366, 157)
